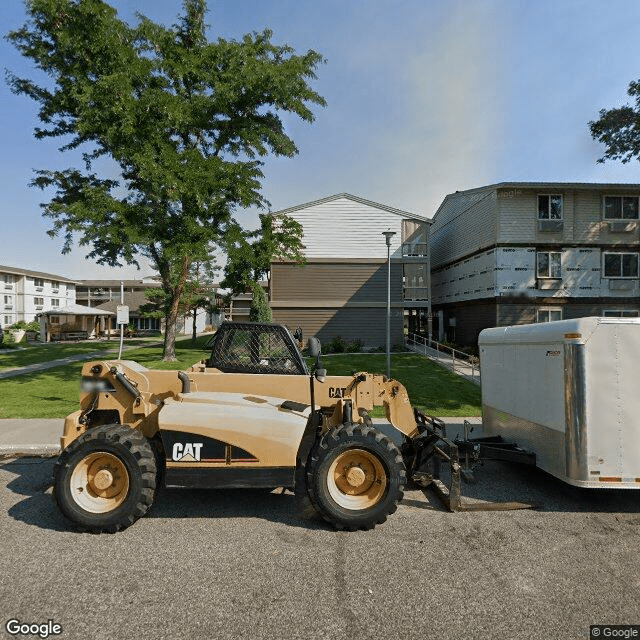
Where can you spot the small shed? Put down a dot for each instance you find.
(73, 322)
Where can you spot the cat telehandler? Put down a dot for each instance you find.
(251, 415)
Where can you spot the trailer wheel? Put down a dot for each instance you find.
(355, 477)
(106, 479)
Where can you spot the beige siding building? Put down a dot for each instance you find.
(342, 289)
(515, 253)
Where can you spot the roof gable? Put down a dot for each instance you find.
(348, 196)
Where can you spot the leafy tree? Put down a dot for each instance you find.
(249, 254)
(619, 129)
(198, 293)
(185, 120)
(260, 310)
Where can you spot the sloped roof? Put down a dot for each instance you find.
(116, 283)
(35, 274)
(348, 196)
(77, 310)
(132, 299)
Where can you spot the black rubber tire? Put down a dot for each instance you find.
(133, 451)
(333, 444)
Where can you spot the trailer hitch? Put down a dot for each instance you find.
(427, 451)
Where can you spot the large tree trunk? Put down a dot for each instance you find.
(172, 315)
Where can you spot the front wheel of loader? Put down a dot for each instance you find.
(355, 477)
(106, 479)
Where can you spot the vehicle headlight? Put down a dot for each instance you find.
(96, 385)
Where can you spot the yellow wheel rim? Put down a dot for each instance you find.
(99, 483)
(357, 479)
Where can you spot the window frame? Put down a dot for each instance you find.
(36, 303)
(622, 197)
(620, 253)
(547, 310)
(548, 277)
(550, 195)
(611, 313)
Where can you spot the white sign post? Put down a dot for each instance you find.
(122, 314)
(122, 317)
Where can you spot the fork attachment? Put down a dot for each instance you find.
(426, 452)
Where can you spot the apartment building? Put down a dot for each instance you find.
(342, 288)
(524, 252)
(24, 294)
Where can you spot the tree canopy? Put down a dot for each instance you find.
(186, 120)
(249, 253)
(619, 129)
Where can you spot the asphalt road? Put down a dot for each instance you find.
(243, 564)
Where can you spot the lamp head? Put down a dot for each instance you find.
(388, 235)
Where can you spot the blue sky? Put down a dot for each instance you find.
(424, 98)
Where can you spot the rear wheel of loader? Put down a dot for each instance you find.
(356, 477)
(106, 479)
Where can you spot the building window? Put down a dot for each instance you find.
(550, 207)
(620, 265)
(8, 300)
(55, 286)
(620, 313)
(620, 208)
(549, 314)
(7, 278)
(54, 319)
(55, 302)
(38, 302)
(38, 282)
(549, 264)
(8, 320)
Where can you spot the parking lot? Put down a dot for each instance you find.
(245, 564)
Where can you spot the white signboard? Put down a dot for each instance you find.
(122, 313)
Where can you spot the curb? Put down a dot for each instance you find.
(29, 450)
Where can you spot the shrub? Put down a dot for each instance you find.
(355, 346)
(260, 311)
(337, 345)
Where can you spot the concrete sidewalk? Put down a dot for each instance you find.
(41, 437)
(95, 355)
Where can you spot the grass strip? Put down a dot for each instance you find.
(54, 393)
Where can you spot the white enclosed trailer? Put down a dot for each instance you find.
(569, 391)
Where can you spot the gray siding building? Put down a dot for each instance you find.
(342, 289)
(524, 252)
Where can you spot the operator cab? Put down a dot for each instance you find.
(256, 347)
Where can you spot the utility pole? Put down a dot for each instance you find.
(388, 234)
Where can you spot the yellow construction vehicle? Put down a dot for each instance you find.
(251, 415)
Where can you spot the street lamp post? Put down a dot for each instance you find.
(387, 236)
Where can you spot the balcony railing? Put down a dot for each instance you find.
(414, 249)
(416, 293)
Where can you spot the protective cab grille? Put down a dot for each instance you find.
(256, 348)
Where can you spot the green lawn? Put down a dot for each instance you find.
(35, 353)
(432, 388)
(54, 393)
